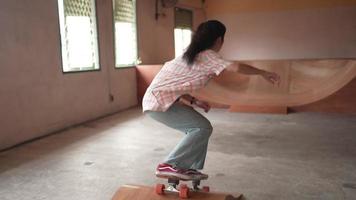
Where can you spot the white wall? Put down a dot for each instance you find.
(36, 98)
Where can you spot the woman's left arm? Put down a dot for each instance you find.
(242, 68)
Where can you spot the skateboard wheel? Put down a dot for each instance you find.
(206, 188)
(184, 191)
(160, 188)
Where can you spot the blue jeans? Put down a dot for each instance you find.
(191, 151)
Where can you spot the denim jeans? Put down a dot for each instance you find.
(191, 151)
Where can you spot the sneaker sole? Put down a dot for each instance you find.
(169, 175)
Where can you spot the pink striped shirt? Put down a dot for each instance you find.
(177, 78)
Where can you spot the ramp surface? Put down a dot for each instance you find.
(135, 192)
(302, 82)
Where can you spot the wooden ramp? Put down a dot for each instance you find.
(135, 192)
(302, 82)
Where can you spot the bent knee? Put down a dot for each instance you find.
(207, 129)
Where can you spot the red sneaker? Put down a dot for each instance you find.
(166, 171)
(198, 175)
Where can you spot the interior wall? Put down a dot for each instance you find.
(278, 29)
(36, 98)
(156, 37)
(342, 101)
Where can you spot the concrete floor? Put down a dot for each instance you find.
(296, 156)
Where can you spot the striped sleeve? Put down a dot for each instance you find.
(215, 62)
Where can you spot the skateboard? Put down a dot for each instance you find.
(181, 189)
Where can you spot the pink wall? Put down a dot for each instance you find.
(280, 30)
(286, 29)
(36, 98)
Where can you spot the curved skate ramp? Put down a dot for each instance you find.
(302, 82)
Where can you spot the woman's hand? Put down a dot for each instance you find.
(271, 77)
(202, 104)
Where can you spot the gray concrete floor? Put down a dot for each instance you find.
(296, 156)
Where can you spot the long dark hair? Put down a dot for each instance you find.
(204, 38)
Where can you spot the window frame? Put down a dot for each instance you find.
(84, 69)
(124, 66)
(175, 25)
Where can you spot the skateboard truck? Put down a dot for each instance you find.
(183, 190)
(172, 185)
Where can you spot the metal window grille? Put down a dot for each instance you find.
(183, 18)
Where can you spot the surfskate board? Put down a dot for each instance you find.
(182, 189)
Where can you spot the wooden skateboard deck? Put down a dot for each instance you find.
(183, 190)
(136, 192)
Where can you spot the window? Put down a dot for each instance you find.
(183, 30)
(77, 19)
(125, 32)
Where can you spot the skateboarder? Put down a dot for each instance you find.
(168, 98)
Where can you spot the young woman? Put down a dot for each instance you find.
(167, 97)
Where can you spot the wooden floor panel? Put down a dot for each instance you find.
(135, 192)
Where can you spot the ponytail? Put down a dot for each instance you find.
(204, 38)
